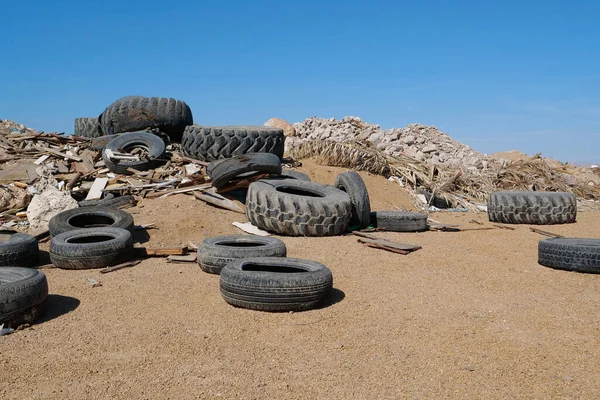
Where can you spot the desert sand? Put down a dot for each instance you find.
(470, 315)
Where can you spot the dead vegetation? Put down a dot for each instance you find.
(462, 187)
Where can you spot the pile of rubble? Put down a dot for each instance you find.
(420, 142)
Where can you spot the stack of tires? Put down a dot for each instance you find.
(23, 289)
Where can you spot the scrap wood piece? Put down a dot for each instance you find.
(57, 153)
(182, 259)
(219, 201)
(510, 228)
(120, 266)
(474, 221)
(98, 186)
(446, 227)
(159, 252)
(179, 190)
(394, 245)
(249, 228)
(545, 233)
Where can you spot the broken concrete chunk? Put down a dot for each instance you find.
(46, 205)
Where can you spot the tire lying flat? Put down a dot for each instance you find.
(222, 171)
(538, 208)
(91, 248)
(297, 208)
(275, 284)
(399, 221)
(124, 143)
(18, 249)
(351, 183)
(23, 294)
(88, 218)
(215, 253)
(210, 143)
(570, 254)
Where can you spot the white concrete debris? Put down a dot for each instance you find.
(46, 205)
(421, 142)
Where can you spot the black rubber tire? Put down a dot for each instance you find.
(113, 202)
(214, 253)
(87, 127)
(536, 208)
(291, 174)
(18, 249)
(222, 171)
(210, 143)
(153, 144)
(275, 284)
(351, 183)
(23, 294)
(297, 208)
(90, 218)
(570, 254)
(91, 248)
(399, 221)
(134, 113)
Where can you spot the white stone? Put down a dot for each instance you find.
(46, 205)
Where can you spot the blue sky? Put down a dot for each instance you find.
(496, 75)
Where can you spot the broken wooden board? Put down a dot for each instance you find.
(189, 258)
(120, 266)
(57, 153)
(159, 252)
(98, 186)
(177, 191)
(510, 228)
(394, 245)
(219, 201)
(249, 228)
(545, 233)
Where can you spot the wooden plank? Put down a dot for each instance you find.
(176, 191)
(393, 245)
(57, 153)
(545, 233)
(98, 186)
(504, 227)
(189, 258)
(120, 266)
(159, 252)
(391, 249)
(219, 201)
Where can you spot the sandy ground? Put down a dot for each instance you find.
(470, 315)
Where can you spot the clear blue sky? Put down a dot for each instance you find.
(496, 75)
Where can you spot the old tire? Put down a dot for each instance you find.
(134, 113)
(152, 144)
(298, 208)
(87, 127)
(89, 217)
(214, 253)
(114, 202)
(291, 174)
(570, 254)
(91, 248)
(23, 294)
(399, 221)
(275, 284)
(351, 183)
(222, 171)
(18, 249)
(210, 143)
(538, 208)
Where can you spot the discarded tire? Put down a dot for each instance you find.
(275, 284)
(23, 294)
(298, 208)
(89, 217)
(351, 183)
(291, 174)
(113, 202)
(539, 208)
(209, 143)
(222, 171)
(214, 253)
(91, 248)
(18, 249)
(570, 254)
(399, 221)
(152, 145)
(134, 113)
(87, 127)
